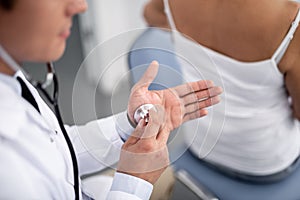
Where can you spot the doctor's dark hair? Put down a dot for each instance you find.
(7, 4)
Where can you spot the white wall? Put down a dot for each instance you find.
(106, 24)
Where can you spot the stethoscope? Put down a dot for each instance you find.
(41, 86)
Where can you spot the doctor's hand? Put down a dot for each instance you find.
(145, 154)
(181, 103)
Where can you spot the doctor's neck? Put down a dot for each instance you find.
(5, 69)
(8, 65)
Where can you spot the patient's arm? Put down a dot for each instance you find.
(154, 14)
(292, 80)
(291, 67)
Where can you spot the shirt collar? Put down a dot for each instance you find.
(11, 82)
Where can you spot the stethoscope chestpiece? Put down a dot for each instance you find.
(142, 113)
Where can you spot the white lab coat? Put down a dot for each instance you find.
(35, 159)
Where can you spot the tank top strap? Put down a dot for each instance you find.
(169, 15)
(277, 56)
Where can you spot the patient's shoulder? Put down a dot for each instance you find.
(154, 14)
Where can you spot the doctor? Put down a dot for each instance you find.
(43, 159)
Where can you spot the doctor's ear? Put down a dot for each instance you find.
(7, 4)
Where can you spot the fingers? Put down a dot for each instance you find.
(149, 75)
(156, 120)
(137, 133)
(197, 109)
(202, 104)
(185, 89)
(155, 129)
(195, 115)
(151, 129)
(197, 96)
(163, 136)
(201, 95)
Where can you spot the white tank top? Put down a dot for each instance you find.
(252, 130)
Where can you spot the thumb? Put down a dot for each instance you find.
(149, 75)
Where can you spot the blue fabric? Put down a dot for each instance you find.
(155, 44)
(228, 188)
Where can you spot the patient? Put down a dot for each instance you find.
(252, 48)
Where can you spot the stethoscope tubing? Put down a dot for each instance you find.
(54, 101)
(41, 86)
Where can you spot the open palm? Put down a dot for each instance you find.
(181, 103)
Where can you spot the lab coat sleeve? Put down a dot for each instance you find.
(123, 126)
(125, 187)
(98, 143)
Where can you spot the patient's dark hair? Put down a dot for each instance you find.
(7, 4)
